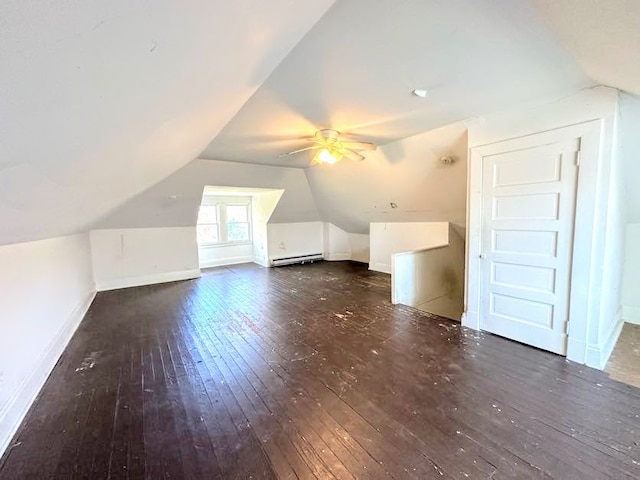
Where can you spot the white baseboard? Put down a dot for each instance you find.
(380, 267)
(147, 279)
(261, 261)
(576, 351)
(598, 355)
(360, 260)
(631, 314)
(18, 405)
(337, 257)
(227, 261)
(471, 320)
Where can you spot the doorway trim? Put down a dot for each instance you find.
(584, 300)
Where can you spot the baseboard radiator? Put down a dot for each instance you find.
(314, 257)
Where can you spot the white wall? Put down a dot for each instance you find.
(45, 289)
(615, 212)
(603, 320)
(293, 239)
(407, 173)
(340, 245)
(431, 279)
(142, 256)
(336, 243)
(631, 286)
(629, 151)
(389, 238)
(263, 206)
(359, 243)
(217, 255)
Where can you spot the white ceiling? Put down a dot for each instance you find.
(236, 191)
(407, 173)
(174, 202)
(602, 35)
(355, 70)
(102, 99)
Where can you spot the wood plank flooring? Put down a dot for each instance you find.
(624, 364)
(310, 372)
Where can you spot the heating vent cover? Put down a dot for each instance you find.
(314, 257)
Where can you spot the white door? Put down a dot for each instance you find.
(528, 209)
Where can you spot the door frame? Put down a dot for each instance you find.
(584, 301)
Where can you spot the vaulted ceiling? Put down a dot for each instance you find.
(355, 71)
(99, 101)
(602, 35)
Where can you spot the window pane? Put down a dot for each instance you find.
(208, 214)
(237, 214)
(208, 233)
(237, 232)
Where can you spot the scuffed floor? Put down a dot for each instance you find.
(310, 372)
(624, 364)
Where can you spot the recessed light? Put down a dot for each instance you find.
(419, 92)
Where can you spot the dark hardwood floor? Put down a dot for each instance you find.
(310, 372)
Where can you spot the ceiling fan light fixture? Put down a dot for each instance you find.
(330, 148)
(329, 156)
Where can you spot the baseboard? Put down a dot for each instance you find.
(227, 261)
(598, 355)
(261, 261)
(576, 351)
(337, 257)
(359, 260)
(380, 267)
(14, 411)
(147, 279)
(631, 314)
(470, 319)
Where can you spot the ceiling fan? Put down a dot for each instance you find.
(331, 149)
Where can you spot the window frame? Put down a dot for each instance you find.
(217, 224)
(221, 204)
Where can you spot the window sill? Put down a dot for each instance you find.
(218, 245)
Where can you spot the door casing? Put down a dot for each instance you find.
(584, 302)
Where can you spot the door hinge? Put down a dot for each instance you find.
(578, 155)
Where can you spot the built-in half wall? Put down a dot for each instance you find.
(431, 278)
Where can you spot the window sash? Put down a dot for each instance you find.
(229, 228)
(223, 226)
(208, 241)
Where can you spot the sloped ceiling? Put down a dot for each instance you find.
(102, 99)
(355, 70)
(174, 202)
(602, 35)
(403, 181)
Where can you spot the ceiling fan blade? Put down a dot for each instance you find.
(315, 147)
(351, 155)
(358, 145)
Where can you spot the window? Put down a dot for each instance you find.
(208, 231)
(224, 220)
(237, 223)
